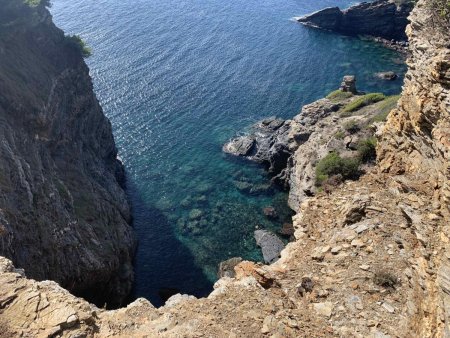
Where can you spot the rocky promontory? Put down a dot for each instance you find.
(382, 18)
(370, 256)
(63, 214)
(342, 124)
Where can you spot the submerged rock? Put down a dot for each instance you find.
(386, 75)
(270, 212)
(226, 268)
(270, 245)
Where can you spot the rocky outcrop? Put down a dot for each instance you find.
(270, 245)
(321, 127)
(416, 141)
(63, 214)
(371, 257)
(381, 18)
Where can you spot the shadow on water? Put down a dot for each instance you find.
(166, 266)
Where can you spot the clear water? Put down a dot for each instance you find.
(178, 79)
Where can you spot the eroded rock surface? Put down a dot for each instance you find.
(63, 214)
(381, 18)
(371, 258)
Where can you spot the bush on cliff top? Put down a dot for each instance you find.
(35, 3)
(385, 108)
(339, 95)
(77, 43)
(367, 150)
(363, 101)
(333, 164)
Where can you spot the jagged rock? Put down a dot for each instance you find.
(64, 215)
(226, 268)
(262, 276)
(355, 210)
(241, 146)
(287, 229)
(381, 18)
(324, 309)
(349, 84)
(386, 76)
(272, 144)
(270, 212)
(270, 245)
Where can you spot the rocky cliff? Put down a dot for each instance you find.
(381, 18)
(63, 214)
(370, 259)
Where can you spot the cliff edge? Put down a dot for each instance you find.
(63, 214)
(370, 258)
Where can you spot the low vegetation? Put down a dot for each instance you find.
(339, 95)
(441, 9)
(77, 43)
(385, 279)
(333, 164)
(35, 3)
(339, 135)
(363, 101)
(367, 150)
(351, 127)
(385, 108)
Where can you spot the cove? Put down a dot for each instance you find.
(178, 79)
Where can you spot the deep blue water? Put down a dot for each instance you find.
(178, 79)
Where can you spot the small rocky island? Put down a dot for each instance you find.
(383, 19)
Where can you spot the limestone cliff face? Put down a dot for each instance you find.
(416, 138)
(63, 214)
(371, 257)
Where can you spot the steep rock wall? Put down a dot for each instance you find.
(63, 214)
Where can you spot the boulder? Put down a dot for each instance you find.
(226, 268)
(270, 245)
(389, 76)
(241, 146)
(349, 84)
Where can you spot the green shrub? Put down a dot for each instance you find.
(351, 127)
(339, 95)
(363, 101)
(339, 135)
(385, 108)
(441, 9)
(367, 150)
(76, 42)
(35, 3)
(333, 164)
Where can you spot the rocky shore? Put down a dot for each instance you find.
(370, 256)
(382, 19)
(292, 149)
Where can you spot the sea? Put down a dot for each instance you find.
(180, 78)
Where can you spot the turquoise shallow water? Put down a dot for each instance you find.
(178, 79)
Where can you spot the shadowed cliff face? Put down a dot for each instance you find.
(63, 215)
